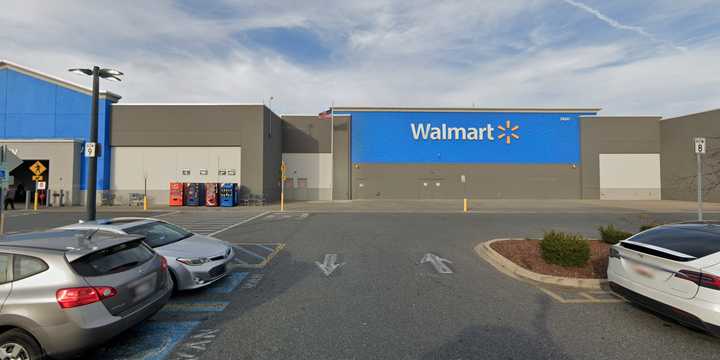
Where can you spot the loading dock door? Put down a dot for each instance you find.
(630, 176)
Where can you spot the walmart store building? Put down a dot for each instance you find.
(361, 153)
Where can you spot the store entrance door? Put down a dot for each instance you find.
(27, 174)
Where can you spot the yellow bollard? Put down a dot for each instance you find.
(465, 205)
(282, 201)
(145, 205)
(35, 204)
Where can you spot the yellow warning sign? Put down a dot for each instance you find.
(37, 168)
(37, 178)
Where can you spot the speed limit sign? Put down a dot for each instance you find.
(699, 145)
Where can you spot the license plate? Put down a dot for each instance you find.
(643, 271)
(145, 287)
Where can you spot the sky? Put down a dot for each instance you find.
(645, 57)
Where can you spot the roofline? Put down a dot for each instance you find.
(188, 104)
(55, 80)
(462, 109)
(622, 116)
(315, 115)
(6, 140)
(697, 113)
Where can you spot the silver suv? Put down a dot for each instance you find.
(64, 291)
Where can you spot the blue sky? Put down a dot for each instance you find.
(628, 57)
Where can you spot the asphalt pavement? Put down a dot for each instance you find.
(381, 301)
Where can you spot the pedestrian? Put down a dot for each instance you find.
(10, 197)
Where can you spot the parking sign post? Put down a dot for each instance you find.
(282, 185)
(700, 148)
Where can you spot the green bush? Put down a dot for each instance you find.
(564, 249)
(612, 235)
(647, 226)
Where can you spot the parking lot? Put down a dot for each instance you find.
(359, 285)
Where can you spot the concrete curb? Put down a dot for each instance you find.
(504, 265)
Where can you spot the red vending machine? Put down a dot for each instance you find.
(176, 194)
(212, 194)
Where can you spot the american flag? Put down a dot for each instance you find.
(325, 115)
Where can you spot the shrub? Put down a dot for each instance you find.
(564, 249)
(647, 226)
(612, 235)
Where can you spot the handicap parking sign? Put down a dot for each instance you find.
(2, 174)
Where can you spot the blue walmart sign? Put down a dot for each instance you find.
(466, 137)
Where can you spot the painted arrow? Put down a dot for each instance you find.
(329, 264)
(438, 263)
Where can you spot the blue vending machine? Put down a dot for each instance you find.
(228, 195)
(194, 194)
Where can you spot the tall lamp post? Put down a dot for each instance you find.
(91, 146)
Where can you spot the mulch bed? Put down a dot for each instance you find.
(526, 253)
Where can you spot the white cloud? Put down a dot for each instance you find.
(383, 53)
(617, 25)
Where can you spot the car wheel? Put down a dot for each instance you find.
(175, 285)
(19, 345)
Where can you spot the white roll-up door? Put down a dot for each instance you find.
(630, 176)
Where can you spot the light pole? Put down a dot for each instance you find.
(91, 146)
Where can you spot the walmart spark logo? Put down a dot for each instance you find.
(508, 132)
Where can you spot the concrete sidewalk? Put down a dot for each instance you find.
(444, 206)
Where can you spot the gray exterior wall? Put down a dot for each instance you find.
(677, 160)
(407, 181)
(246, 126)
(613, 135)
(305, 134)
(341, 159)
(272, 154)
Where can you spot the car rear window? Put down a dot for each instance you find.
(114, 259)
(696, 240)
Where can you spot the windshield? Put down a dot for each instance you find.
(159, 233)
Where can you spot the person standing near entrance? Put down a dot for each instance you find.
(10, 197)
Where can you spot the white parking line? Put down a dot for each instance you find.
(240, 223)
(168, 213)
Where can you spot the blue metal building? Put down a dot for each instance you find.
(38, 112)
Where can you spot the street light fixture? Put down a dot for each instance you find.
(91, 146)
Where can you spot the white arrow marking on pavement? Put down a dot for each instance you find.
(438, 263)
(329, 265)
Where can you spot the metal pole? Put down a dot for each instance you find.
(699, 188)
(27, 199)
(92, 161)
(332, 150)
(2, 211)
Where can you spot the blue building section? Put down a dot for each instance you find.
(466, 137)
(33, 108)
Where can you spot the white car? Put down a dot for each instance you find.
(195, 260)
(673, 270)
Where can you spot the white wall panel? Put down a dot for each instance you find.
(162, 165)
(630, 176)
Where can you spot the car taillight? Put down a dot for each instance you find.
(163, 263)
(704, 280)
(74, 297)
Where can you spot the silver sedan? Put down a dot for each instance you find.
(195, 260)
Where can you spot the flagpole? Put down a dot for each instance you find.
(332, 150)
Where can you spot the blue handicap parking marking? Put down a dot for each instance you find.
(227, 284)
(151, 340)
(195, 306)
